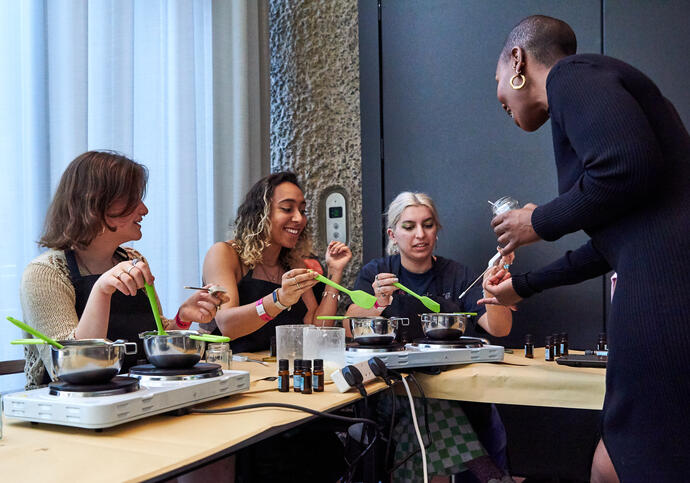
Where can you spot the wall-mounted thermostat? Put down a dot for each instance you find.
(336, 216)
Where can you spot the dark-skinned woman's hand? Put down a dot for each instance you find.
(514, 228)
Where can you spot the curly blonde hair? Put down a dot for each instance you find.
(252, 227)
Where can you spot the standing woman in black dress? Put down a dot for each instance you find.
(623, 162)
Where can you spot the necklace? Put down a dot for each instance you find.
(271, 276)
(80, 261)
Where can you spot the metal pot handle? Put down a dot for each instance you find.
(125, 345)
(403, 320)
(425, 317)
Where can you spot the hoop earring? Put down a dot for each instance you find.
(522, 77)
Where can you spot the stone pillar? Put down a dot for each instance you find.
(315, 115)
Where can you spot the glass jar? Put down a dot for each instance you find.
(504, 204)
(219, 353)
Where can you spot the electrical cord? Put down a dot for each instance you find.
(351, 465)
(425, 406)
(416, 428)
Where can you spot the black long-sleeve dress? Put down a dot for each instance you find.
(623, 162)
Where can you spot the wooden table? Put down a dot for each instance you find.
(158, 445)
(521, 381)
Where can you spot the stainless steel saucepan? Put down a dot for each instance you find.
(175, 349)
(375, 330)
(86, 361)
(445, 326)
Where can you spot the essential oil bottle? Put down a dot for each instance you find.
(556, 344)
(602, 345)
(564, 344)
(283, 375)
(297, 376)
(548, 349)
(306, 377)
(317, 377)
(529, 347)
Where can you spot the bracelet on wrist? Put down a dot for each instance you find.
(261, 311)
(181, 323)
(377, 305)
(276, 301)
(335, 295)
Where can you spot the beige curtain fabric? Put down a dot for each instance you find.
(241, 109)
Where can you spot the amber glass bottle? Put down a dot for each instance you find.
(318, 376)
(529, 347)
(283, 375)
(306, 377)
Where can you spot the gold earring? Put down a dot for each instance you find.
(522, 77)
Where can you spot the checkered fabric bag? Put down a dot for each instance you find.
(454, 442)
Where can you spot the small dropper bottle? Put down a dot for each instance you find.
(318, 376)
(283, 375)
(556, 345)
(564, 344)
(297, 376)
(548, 349)
(529, 347)
(306, 377)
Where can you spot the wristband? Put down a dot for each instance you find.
(277, 302)
(377, 305)
(261, 312)
(180, 323)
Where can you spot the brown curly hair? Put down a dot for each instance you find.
(252, 227)
(88, 187)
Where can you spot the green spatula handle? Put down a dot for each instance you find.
(151, 293)
(35, 333)
(323, 279)
(405, 289)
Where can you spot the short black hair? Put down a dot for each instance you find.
(547, 39)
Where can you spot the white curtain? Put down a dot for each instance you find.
(138, 77)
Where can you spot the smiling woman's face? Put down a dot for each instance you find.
(520, 104)
(288, 217)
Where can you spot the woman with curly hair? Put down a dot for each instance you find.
(263, 267)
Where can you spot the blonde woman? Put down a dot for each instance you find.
(412, 227)
(263, 267)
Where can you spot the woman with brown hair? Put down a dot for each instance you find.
(263, 267)
(86, 286)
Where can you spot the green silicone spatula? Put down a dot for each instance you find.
(35, 333)
(359, 297)
(210, 338)
(332, 317)
(428, 303)
(151, 293)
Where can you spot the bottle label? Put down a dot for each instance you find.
(280, 382)
(315, 381)
(298, 381)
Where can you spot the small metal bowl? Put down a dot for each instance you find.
(173, 351)
(445, 326)
(375, 330)
(89, 361)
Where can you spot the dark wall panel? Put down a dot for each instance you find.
(446, 134)
(653, 36)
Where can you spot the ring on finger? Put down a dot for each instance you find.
(119, 275)
(130, 269)
(218, 307)
(135, 261)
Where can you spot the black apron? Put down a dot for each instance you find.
(250, 290)
(129, 316)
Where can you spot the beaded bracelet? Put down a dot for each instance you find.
(180, 323)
